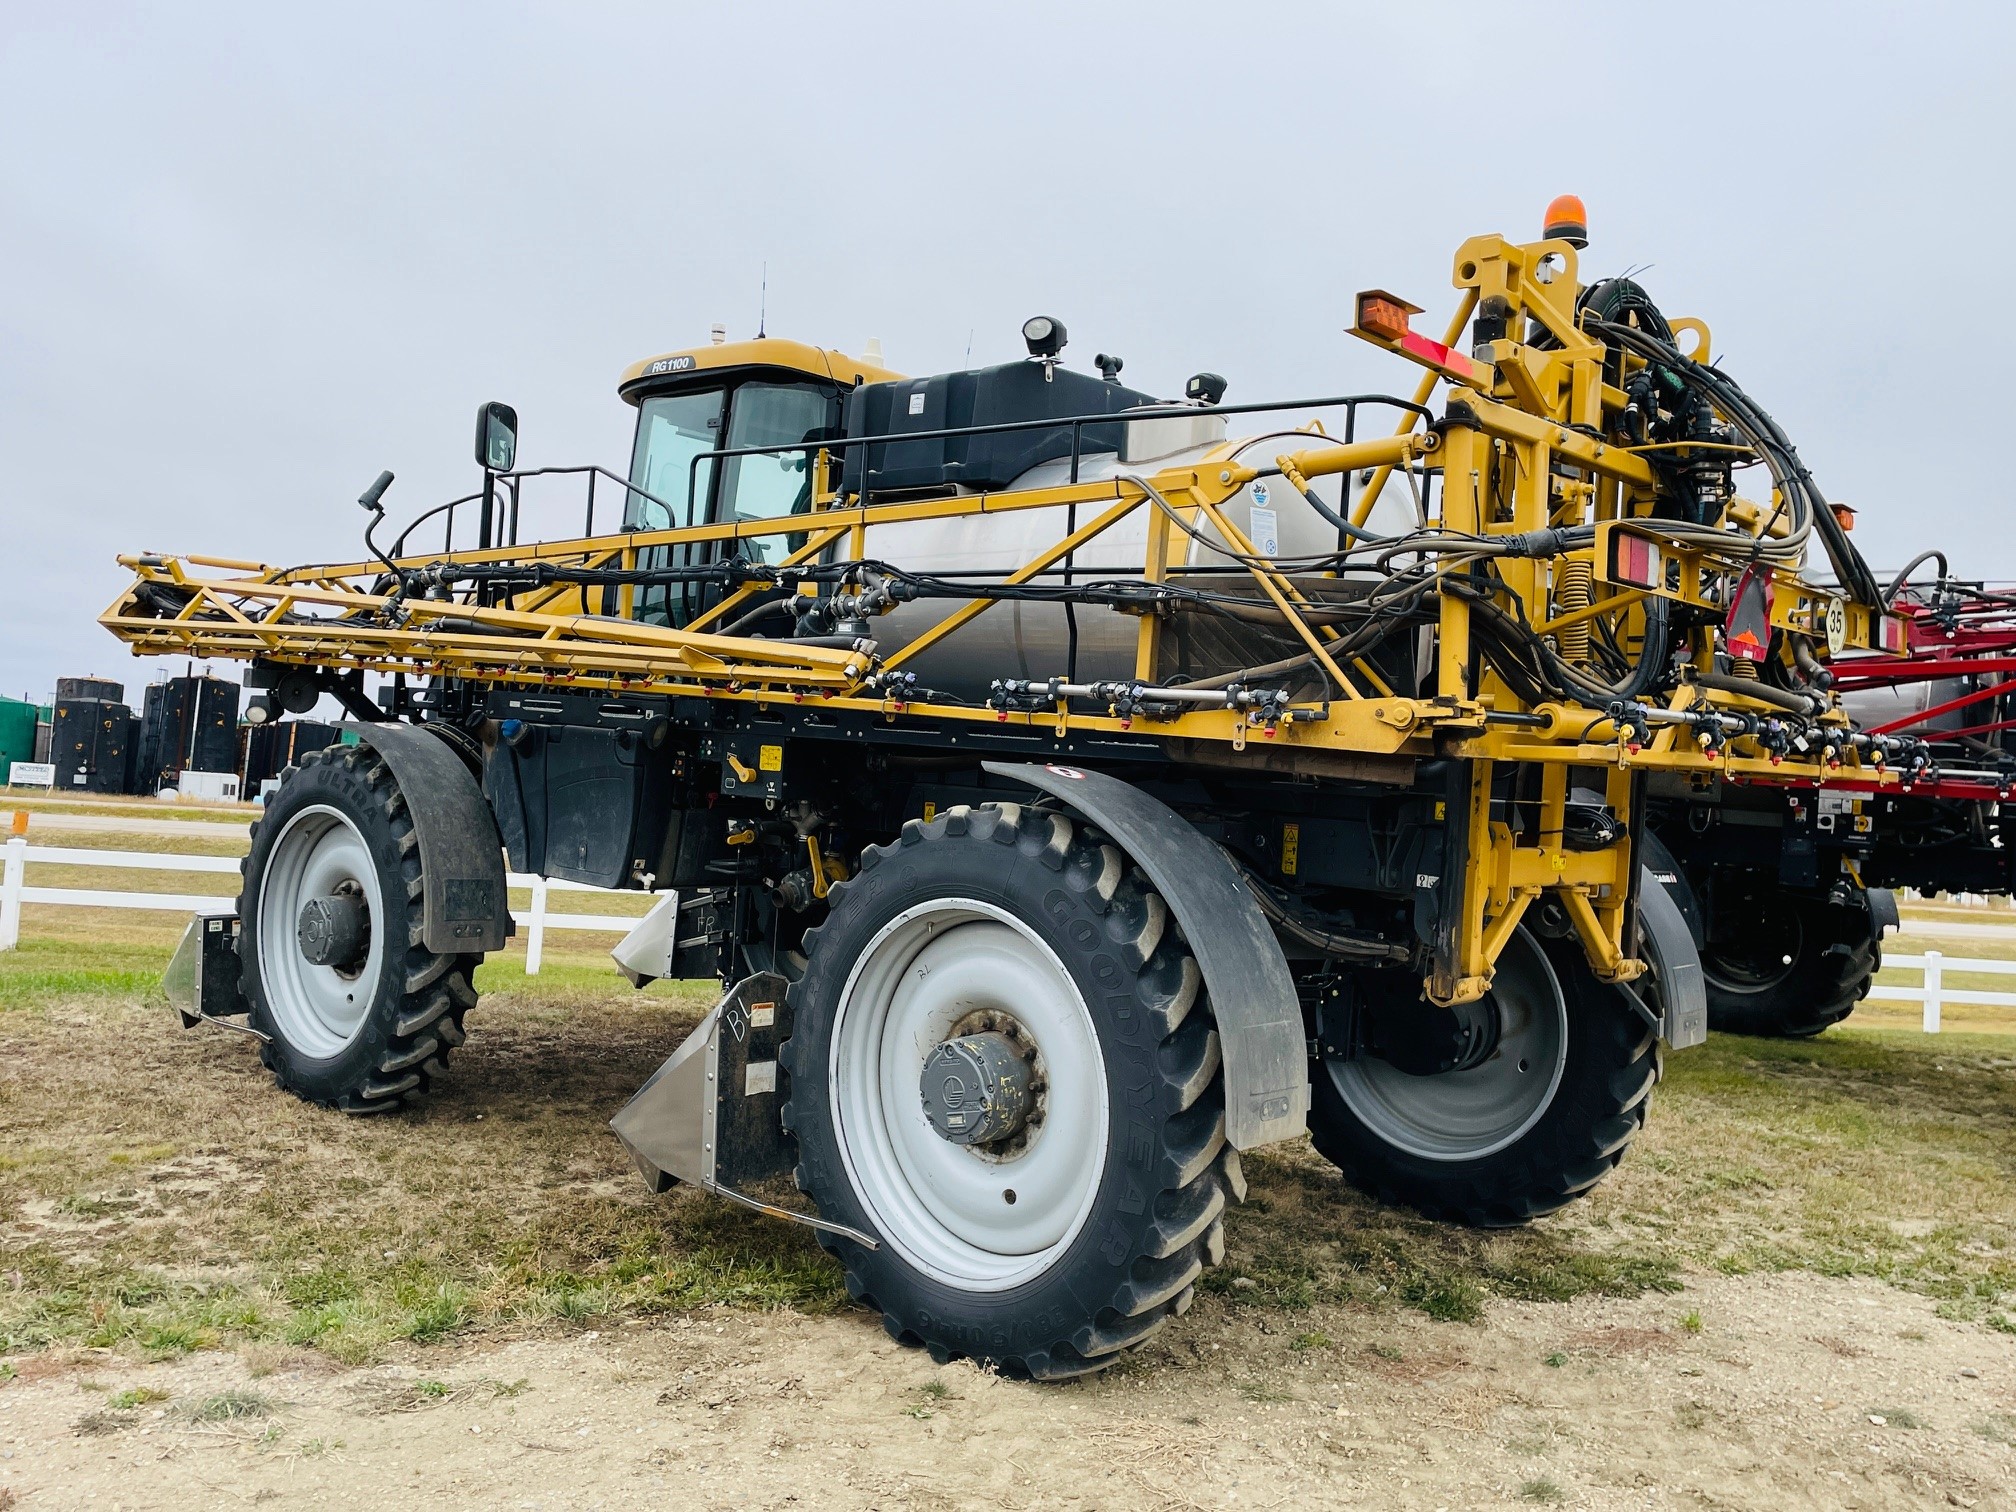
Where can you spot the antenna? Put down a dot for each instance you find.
(969, 346)
(763, 304)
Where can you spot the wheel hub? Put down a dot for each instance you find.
(1423, 1039)
(1467, 1085)
(335, 929)
(977, 1089)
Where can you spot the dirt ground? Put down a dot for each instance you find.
(1794, 1391)
(1799, 1290)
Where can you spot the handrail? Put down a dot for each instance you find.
(1350, 403)
(592, 469)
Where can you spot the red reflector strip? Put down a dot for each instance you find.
(1425, 349)
(1634, 561)
(1896, 634)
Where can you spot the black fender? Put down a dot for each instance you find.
(1670, 937)
(1668, 944)
(1883, 915)
(1260, 1033)
(1658, 860)
(467, 902)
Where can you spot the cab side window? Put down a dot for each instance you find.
(774, 486)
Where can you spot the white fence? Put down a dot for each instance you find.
(14, 892)
(539, 918)
(1934, 993)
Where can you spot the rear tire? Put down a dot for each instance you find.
(1477, 1146)
(375, 1032)
(1008, 919)
(1785, 965)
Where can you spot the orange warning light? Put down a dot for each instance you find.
(1567, 221)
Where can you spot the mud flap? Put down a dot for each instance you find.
(1883, 915)
(1252, 995)
(711, 1116)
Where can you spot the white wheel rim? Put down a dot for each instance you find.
(1466, 1115)
(317, 1009)
(944, 1207)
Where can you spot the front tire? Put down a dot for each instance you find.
(372, 1028)
(1056, 1248)
(1530, 1129)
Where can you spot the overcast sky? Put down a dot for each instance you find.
(250, 255)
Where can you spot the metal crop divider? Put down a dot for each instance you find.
(15, 892)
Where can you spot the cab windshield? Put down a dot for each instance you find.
(686, 485)
(671, 431)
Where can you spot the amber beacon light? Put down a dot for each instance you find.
(1567, 221)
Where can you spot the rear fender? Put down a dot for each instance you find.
(1253, 997)
(468, 906)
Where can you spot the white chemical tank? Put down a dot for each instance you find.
(1034, 640)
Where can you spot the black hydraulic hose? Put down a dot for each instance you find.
(1897, 584)
(834, 642)
(1807, 663)
(1343, 526)
(1778, 698)
(1570, 680)
(740, 624)
(1795, 483)
(1357, 945)
(1253, 674)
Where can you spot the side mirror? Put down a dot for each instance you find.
(496, 437)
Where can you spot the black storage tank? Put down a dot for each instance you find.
(267, 750)
(89, 742)
(188, 724)
(101, 688)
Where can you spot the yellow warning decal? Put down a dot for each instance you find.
(1291, 848)
(930, 811)
(770, 758)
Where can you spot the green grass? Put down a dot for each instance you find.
(1897, 1417)
(42, 970)
(1880, 1153)
(1997, 1428)
(231, 1406)
(36, 801)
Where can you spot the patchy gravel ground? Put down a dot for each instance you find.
(1793, 1391)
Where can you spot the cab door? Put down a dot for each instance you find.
(678, 463)
(673, 473)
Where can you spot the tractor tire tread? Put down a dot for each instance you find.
(1182, 1230)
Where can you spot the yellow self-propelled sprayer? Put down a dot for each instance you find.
(1069, 787)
